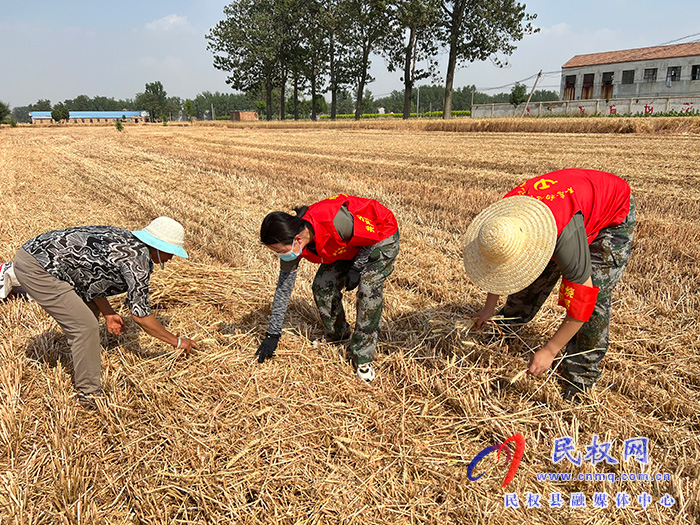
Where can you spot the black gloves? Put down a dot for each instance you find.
(267, 347)
(353, 279)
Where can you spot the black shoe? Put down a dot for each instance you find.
(574, 391)
(346, 334)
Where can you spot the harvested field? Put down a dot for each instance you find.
(218, 438)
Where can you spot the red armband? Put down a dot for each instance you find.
(579, 300)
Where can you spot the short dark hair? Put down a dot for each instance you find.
(281, 227)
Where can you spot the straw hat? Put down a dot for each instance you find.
(509, 244)
(164, 234)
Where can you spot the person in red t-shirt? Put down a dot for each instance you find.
(355, 241)
(575, 224)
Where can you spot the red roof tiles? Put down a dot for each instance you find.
(632, 55)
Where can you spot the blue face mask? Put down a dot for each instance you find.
(289, 256)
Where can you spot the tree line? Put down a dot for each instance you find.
(207, 105)
(313, 47)
(430, 98)
(154, 99)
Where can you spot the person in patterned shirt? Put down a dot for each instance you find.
(71, 272)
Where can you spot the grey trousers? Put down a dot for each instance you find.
(77, 318)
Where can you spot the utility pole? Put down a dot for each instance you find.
(213, 116)
(418, 101)
(531, 92)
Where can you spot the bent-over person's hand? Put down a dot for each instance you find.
(481, 317)
(267, 347)
(187, 345)
(115, 324)
(541, 361)
(486, 312)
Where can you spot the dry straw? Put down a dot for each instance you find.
(218, 438)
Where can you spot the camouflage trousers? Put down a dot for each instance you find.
(610, 251)
(328, 287)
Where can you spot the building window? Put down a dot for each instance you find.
(673, 74)
(570, 87)
(650, 75)
(606, 89)
(695, 73)
(587, 89)
(628, 76)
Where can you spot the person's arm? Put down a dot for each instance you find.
(153, 328)
(137, 277)
(573, 258)
(283, 292)
(115, 323)
(486, 312)
(543, 358)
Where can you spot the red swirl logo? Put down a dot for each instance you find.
(517, 456)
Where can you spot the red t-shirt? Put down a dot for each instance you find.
(602, 198)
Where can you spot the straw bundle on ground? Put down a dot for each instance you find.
(216, 437)
(617, 125)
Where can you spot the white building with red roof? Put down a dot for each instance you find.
(660, 71)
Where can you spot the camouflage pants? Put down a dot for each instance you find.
(328, 287)
(610, 251)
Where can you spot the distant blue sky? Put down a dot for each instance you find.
(61, 49)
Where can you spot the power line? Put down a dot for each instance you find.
(679, 39)
(547, 73)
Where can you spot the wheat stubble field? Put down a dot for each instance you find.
(218, 438)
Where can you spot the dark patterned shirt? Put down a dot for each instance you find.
(98, 261)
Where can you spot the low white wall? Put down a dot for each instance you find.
(619, 106)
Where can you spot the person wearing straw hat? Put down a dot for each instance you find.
(355, 241)
(575, 224)
(71, 272)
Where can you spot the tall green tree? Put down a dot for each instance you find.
(246, 45)
(313, 49)
(369, 20)
(518, 94)
(173, 108)
(4, 110)
(21, 114)
(289, 17)
(412, 40)
(477, 30)
(221, 103)
(189, 109)
(153, 100)
(40, 105)
(334, 20)
(80, 103)
(60, 112)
